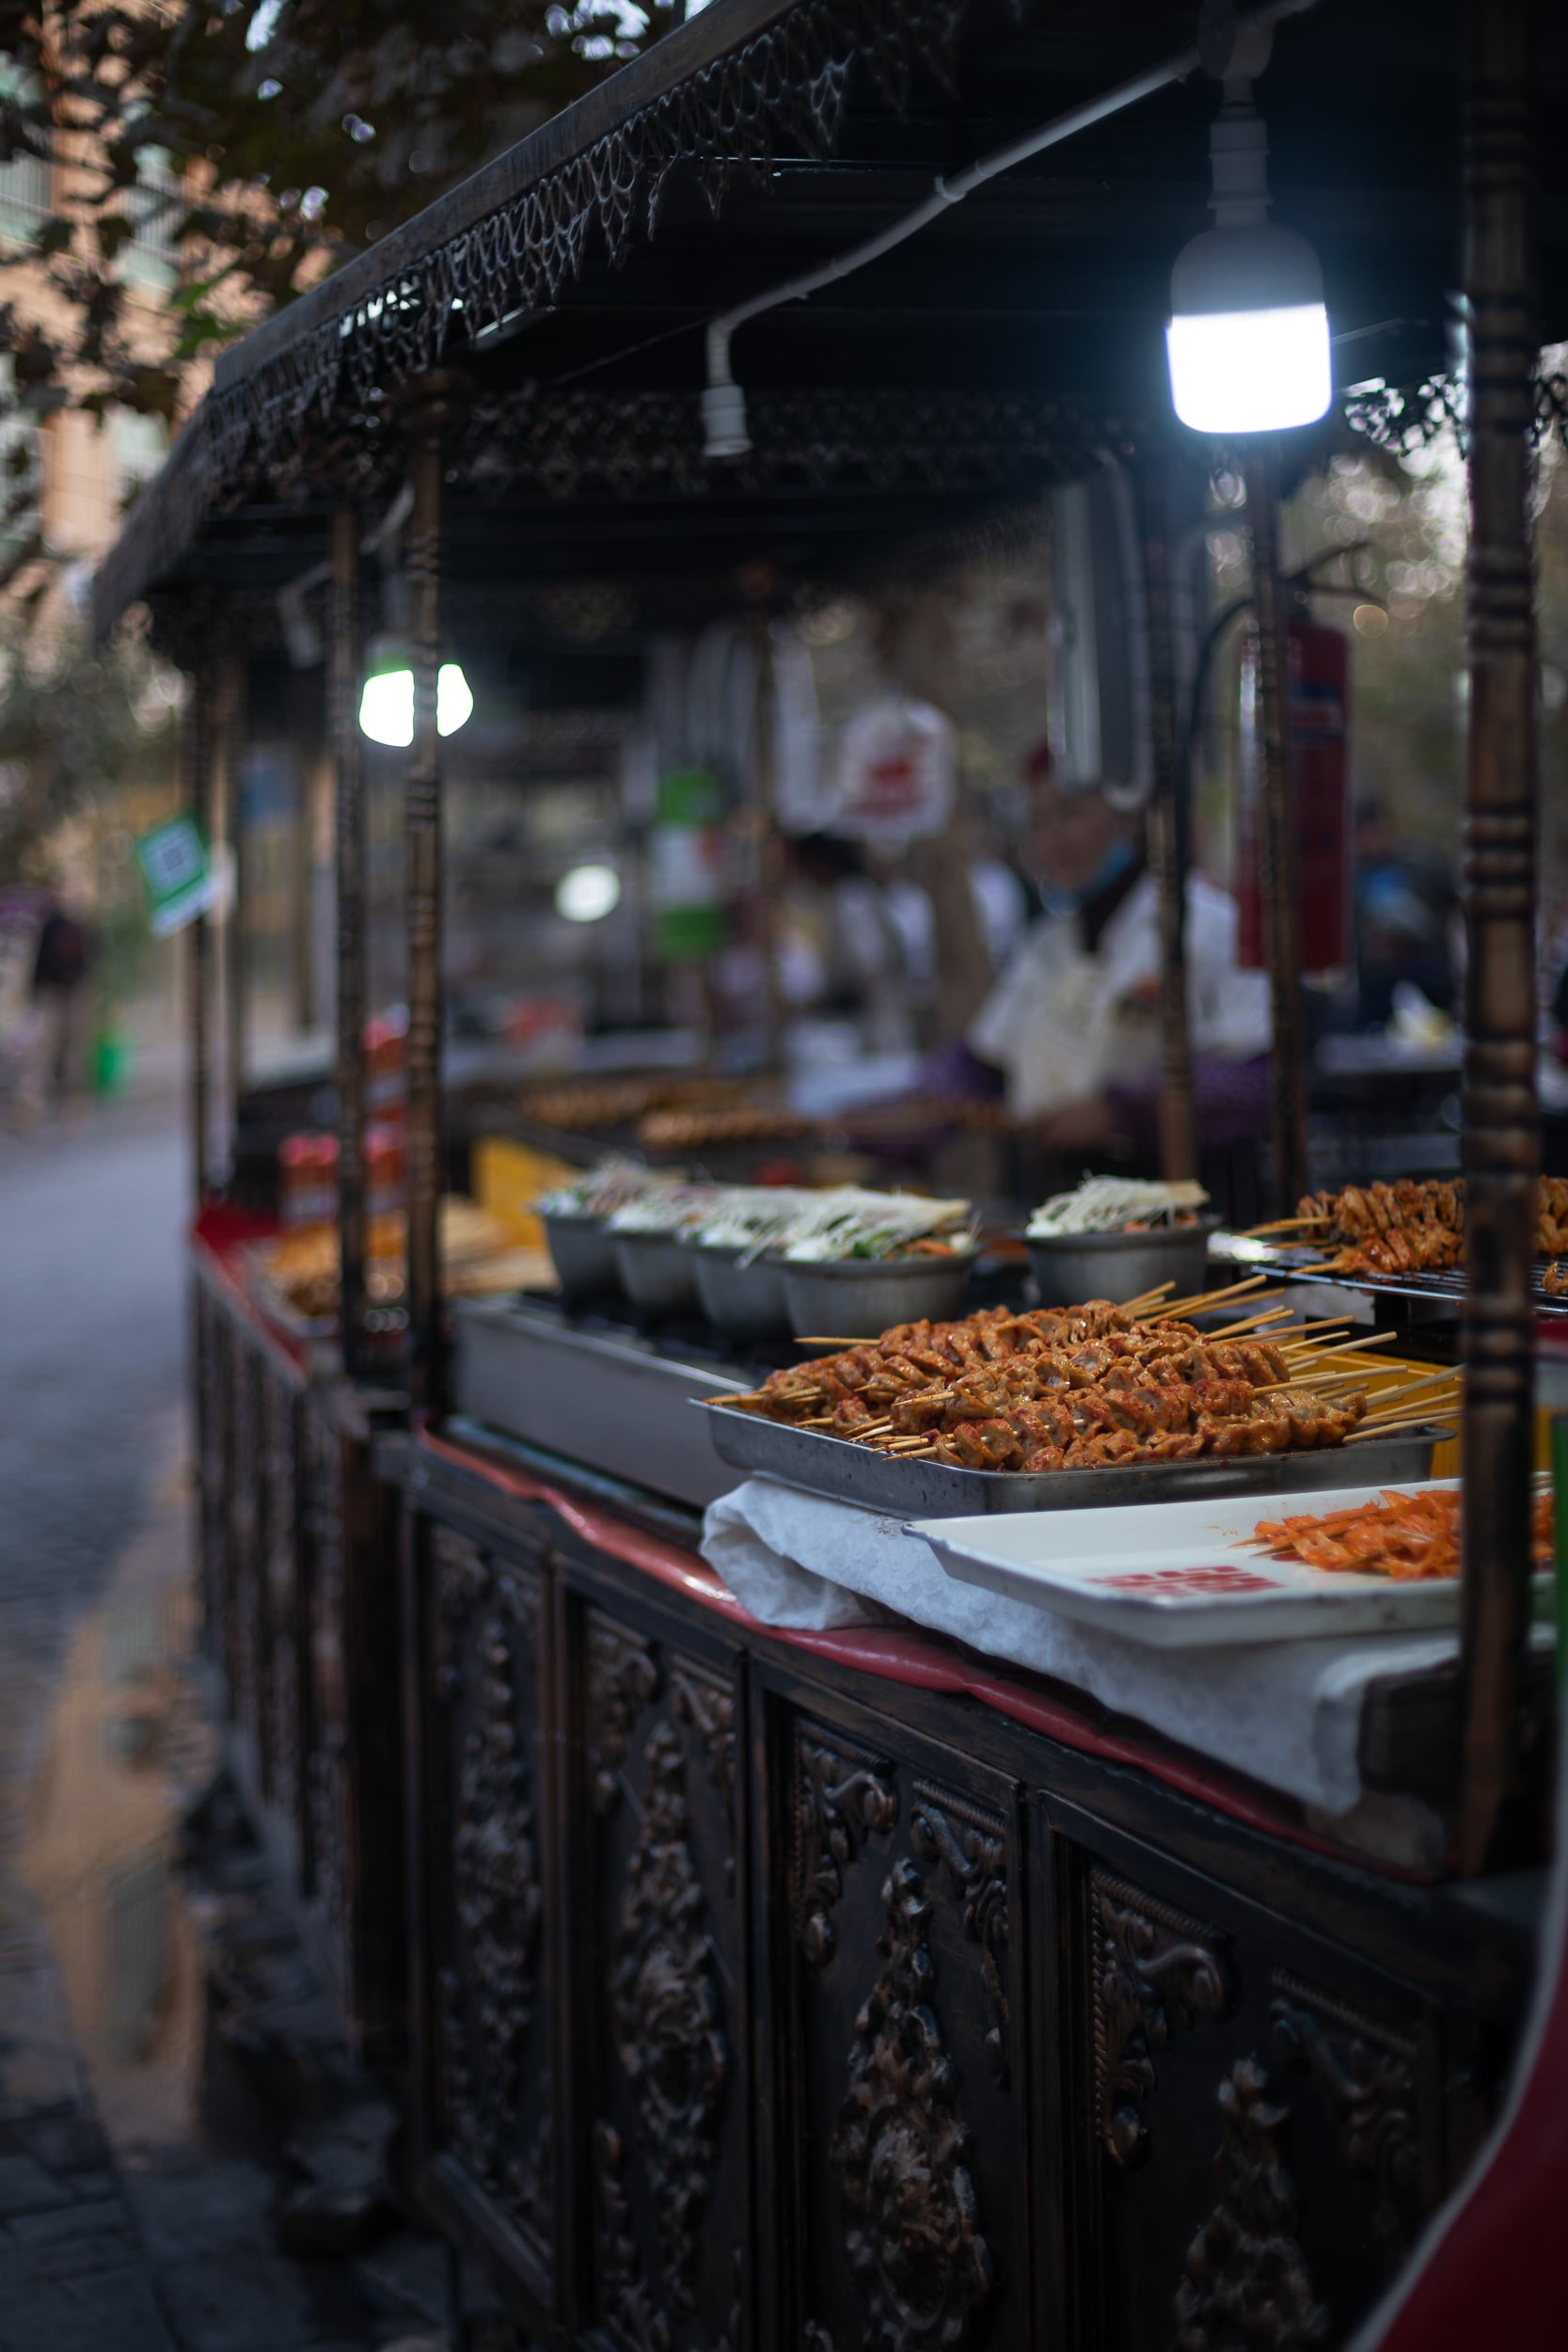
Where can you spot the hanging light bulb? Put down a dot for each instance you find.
(387, 701)
(588, 893)
(1248, 335)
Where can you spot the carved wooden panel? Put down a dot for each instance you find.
(287, 1600)
(247, 1536)
(327, 1792)
(1153, 1970)
(904, 2140)
(1368, 2074)
(212, 1341)
(1246, 2281)
(1248, 2123)
(492, 2035)
(668, 2038)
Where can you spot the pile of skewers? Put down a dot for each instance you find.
(1412, 1226)
(1090, 1386)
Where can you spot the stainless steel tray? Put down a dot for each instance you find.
(855, 1474)
(609, 1399)
(1295, 1261)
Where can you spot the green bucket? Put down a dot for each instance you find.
(112, 1058)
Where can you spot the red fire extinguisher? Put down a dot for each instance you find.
(1316, 715)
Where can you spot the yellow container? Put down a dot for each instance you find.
(508, 1178)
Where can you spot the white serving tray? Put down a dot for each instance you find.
(1185, 1574)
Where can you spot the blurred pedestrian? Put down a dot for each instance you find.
(53, 1055)
(1404, 907)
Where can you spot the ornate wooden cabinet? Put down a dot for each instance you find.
(761, 2004)
(900, 2085)
(353, 1779)
(300, 1581)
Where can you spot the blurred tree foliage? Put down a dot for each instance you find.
(78, 729)
(267, 141)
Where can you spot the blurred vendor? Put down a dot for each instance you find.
(1070, 1033)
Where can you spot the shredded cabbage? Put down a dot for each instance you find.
(1108, 1204)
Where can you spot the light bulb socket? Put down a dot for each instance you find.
(725, 432)
(1239, 160)
(1263, 267)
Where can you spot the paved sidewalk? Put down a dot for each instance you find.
(153, 2194)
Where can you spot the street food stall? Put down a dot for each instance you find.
(760, 1727)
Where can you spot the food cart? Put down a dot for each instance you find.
(834, 1982)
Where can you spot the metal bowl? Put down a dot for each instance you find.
(743, 1296)
(580, 1252)
(858, 1298)
(656, 1272)
(1072, 1267)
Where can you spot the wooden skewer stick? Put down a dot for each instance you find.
(1446, 1372)
(819, 1339)
(1202, 1301)
(1248, 1322)
(1300, 1334)
(1396, 1401)
(1391, 1428)
(1353, 1347)
(1281, 1225)
(1147, 1298)
(1388, 1407)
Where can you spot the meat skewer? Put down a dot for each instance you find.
(1074, 1387)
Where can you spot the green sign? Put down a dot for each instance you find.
(688, 867)
(178, 873)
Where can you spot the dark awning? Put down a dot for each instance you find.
(572, 279)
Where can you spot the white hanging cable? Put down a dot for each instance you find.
(725, 429)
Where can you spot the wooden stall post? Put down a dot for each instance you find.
(1167, 830)
(1279, 862)
(196, 792)
(1500, 1147)
(1281, 894)
(434, 403)
(349, 821)
(226, 754)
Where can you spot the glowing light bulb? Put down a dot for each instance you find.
(588, 893)
(1250, 371)
(454, 701)
(387, 704)
(386, 709)
(1248, 342)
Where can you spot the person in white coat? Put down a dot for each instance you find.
(1070, 1033)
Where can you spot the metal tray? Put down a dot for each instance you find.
(854, 1473)
(604, 1397)
(1293, 1263)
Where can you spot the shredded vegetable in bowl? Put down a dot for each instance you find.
(853, 1224)
(1114, 1204)
(600, 1191)
(751, 1218)
(669, 1210)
